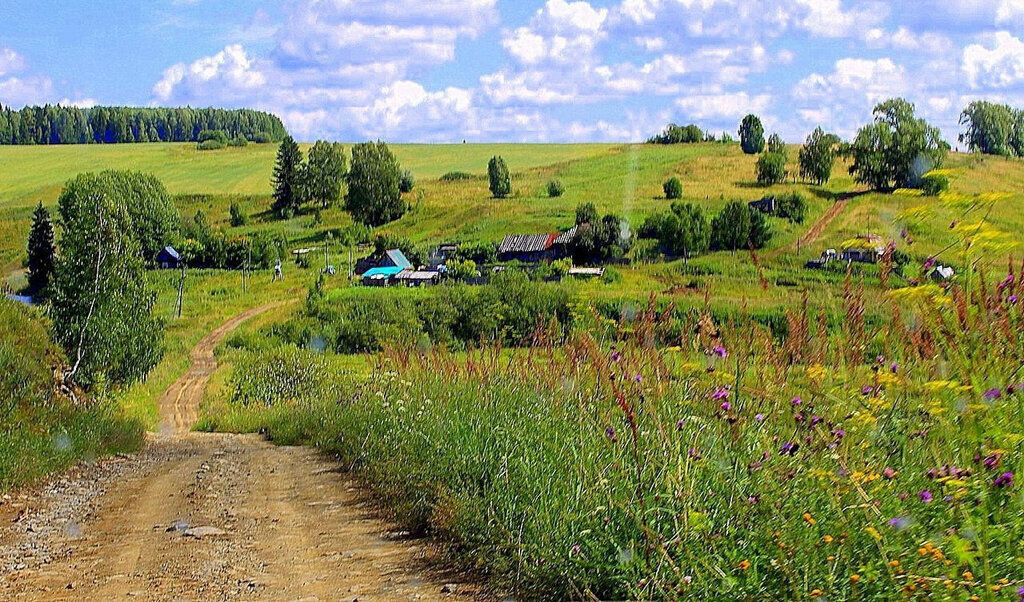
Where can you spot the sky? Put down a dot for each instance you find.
(519, 71)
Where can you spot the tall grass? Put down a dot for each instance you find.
(731, 465)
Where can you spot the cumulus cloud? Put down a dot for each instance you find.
(997, 63)
(230, 71)
(718, 107)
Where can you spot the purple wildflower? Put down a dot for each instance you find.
(888, 473)
(1006, 282)
(693, 453)
(638, 378)
(679, 425)
(575, 550)
(898, 523)
(1020, 592)
(1012, 299)
(720, 351)
(838, 433)
(867, 390)
(720, 394)
(616, 356)
(789, 448)
(926, 496)
(610, 433)
(759, 417)
(726, 406)
(929, 263)
(894, 368)
(815, 420)
(1004, 481)
(797, 401)
(992, 394)
(992, 461)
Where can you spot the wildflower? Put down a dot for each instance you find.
(991, 394)
(720, 394)
(894, 368)
(815, 420)
(679, 425)
(754, 499)
(889, 474)
(1020, 592)
(1012, 299)
(809, 519)
(688, 579)
(797, 401)
(838, 433)
(720, 351)
(854, 578)
(926, 496)
(616, 356)
(1006, 282)
(1004, 481)
(575, 550)
(693, 453)
(789, 448)
(744, 565)
(638, 378)
(816, 593)
(929, 263)
(827, 539)
(610, 433)
(759, 417)
(726, 406)
(992, 462)
(899, 523)
(867, 390)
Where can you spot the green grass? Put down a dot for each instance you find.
(41, 430)
(568, 472)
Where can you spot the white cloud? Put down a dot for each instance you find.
(230, 71)
(998, 63)
(722, 106)
(10, 62)
(905, 39)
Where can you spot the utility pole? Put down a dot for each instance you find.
(181, 289)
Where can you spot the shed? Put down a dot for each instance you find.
(418, 277)
(168, 258)
(867, 248)
(586, 272)
(380, 276)
(765, 205)
(392, 259)
(533, 248)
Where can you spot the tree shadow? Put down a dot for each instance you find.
(748, 185)
(829, 195)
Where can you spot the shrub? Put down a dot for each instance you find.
(555, 188)
(406, 182)
(211, 145)
(238, 217)
(792, 207)
(934, 184)
(673, 188)
(262, 138)
(456, 176)
(500, 182)
(207, 135)
(238, 141)
(771, 168)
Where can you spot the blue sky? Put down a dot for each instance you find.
(501, 70)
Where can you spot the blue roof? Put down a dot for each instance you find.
(398, 258)
(389, 271)
(170, 251)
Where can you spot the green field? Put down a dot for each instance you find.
(625, 179)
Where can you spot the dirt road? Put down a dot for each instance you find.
(208, 517)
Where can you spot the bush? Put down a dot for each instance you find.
(406, 182)
(771, 168)
(792, 207)
(238, 141)
(207, 135)
(555, 188)
(673, 188)
(934, 184)
(211, 145)
(238, 217)
(456, 176)
(262, 138)
(500, 181)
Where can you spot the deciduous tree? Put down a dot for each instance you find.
(751, 135)
(374, 197)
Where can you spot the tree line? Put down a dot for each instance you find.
(54, 124)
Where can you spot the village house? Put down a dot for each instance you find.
(536, 248)
(168, 259)
(866, 248)
(385, 268)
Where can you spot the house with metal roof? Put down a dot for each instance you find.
(168, 258)
(534, 248)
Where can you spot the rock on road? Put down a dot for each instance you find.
(208, 517)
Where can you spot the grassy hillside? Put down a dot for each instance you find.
(625, 179)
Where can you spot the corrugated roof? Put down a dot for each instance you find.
(526, 243)
(388, 271)
(170, 251)
(398, 258)
(566, 237)
(417, 275)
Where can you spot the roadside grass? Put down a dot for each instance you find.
(734, 465)
(41, 430)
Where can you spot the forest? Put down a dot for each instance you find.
(55, 124)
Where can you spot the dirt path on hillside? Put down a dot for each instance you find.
(209, 517)
(815, 231)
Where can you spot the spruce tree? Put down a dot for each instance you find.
(40, 252)
(287, 179)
